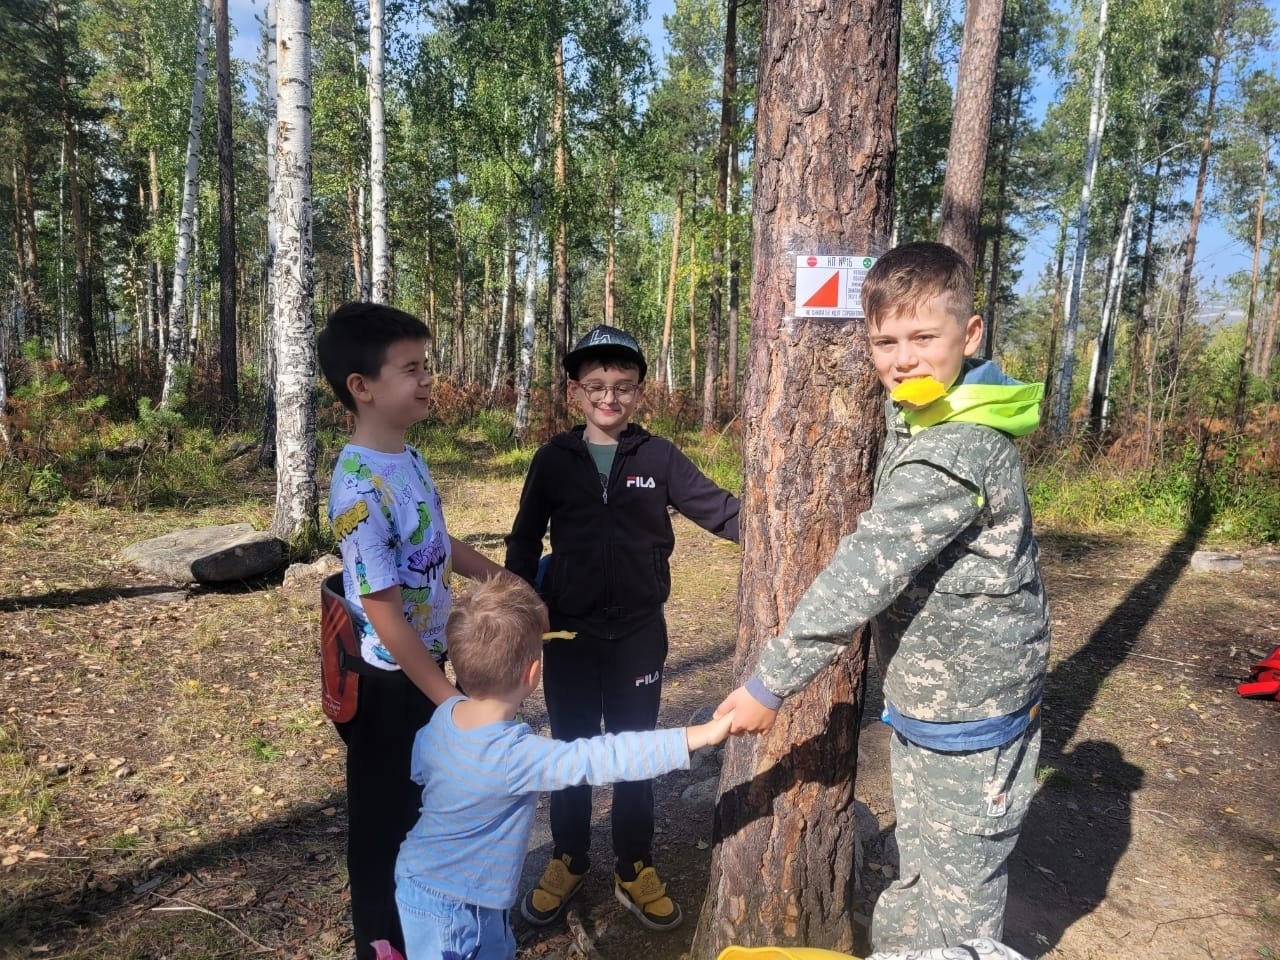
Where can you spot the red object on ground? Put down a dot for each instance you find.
(1264, 678)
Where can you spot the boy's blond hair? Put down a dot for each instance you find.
(912, 273)
(494, 633)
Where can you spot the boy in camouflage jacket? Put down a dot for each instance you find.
(945, 563)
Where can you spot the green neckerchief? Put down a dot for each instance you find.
(1011, 408)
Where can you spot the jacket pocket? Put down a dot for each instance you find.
(973, 575)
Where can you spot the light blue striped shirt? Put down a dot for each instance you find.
(480, 787)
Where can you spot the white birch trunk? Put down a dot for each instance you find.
(528, 325)
(175, 351)
(296, 493)
(381, 261)
(508, 294)
(1106, 343)
(1061, 414)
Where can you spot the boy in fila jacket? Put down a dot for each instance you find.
(603, 488)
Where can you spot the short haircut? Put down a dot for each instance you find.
(609, 361)
(355, 340)
(493, 634)
(912, 273)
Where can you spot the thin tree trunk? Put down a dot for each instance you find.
(528, 325)
(1246, 349)
(31, 299)
(1061, 416)
(227, 360)
(459, 283)
(560, 290)
(728, 91)
(267, 452)
(971, 127)
(378, 159)
(664, 358)
(1137, 349)
(731, 246)
(175, 351)
(785, 843)
(610, 247)
(1173, 360)
(355, 228)
(692, 308)
(1100, 380)
(1266, 349)
(297, 500)
(160, 332)
(79, 229)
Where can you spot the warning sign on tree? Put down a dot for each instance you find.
(830, 287)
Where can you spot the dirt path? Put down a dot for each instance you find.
(169, 789)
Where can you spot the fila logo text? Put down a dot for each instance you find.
(645, 482)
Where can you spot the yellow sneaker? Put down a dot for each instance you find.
(545, 903)
(646, 897)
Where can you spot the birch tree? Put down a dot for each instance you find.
(175, 351)
(1061, 412)
(297, 500)
(381, 261)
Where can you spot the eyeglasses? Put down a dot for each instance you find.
(622, 392)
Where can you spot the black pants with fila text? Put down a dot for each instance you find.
(591, 680)
(382, 802)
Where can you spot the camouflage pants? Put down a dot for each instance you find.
(959, 815)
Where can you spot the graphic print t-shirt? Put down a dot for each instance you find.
(388, 522)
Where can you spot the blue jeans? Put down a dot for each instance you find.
(441, 928)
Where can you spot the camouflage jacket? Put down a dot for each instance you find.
(945, 561)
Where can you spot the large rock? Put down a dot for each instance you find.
(209, 554)
(1207, 561)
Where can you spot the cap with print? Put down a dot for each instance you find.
(604, 343)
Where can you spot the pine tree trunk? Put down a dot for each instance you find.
(1247, 348)
(79, 229)
(227, 361)
(784, 865)
(971, 127)
(560, 289)
(728, 91)
(267, 451)
(297, 501)
(664, 357)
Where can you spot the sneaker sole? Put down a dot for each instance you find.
(550, 918)
(640, 915)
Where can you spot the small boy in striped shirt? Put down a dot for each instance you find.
(481, 771)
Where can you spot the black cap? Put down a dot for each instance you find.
(604, 343)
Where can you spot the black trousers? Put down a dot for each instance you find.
(588, 681)
(382, 802)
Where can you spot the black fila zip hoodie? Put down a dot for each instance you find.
(610, 543)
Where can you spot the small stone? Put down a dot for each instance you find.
(1208, 561)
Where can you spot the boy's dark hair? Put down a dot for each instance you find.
(911, 273)
(355, 340)
(494, 633)
(608, 346)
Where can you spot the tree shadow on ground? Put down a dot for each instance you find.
(1080, 823)
(304, 847)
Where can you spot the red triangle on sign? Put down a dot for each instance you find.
(827, 295)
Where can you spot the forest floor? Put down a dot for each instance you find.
(169, 788)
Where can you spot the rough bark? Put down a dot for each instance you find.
(297, 500)
(783, 870)
(970, 127)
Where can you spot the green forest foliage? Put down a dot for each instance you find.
(1191, 395)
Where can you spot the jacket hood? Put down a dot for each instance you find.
(984, 395)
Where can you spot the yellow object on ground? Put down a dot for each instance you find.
(918, 393)
(782, 953)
